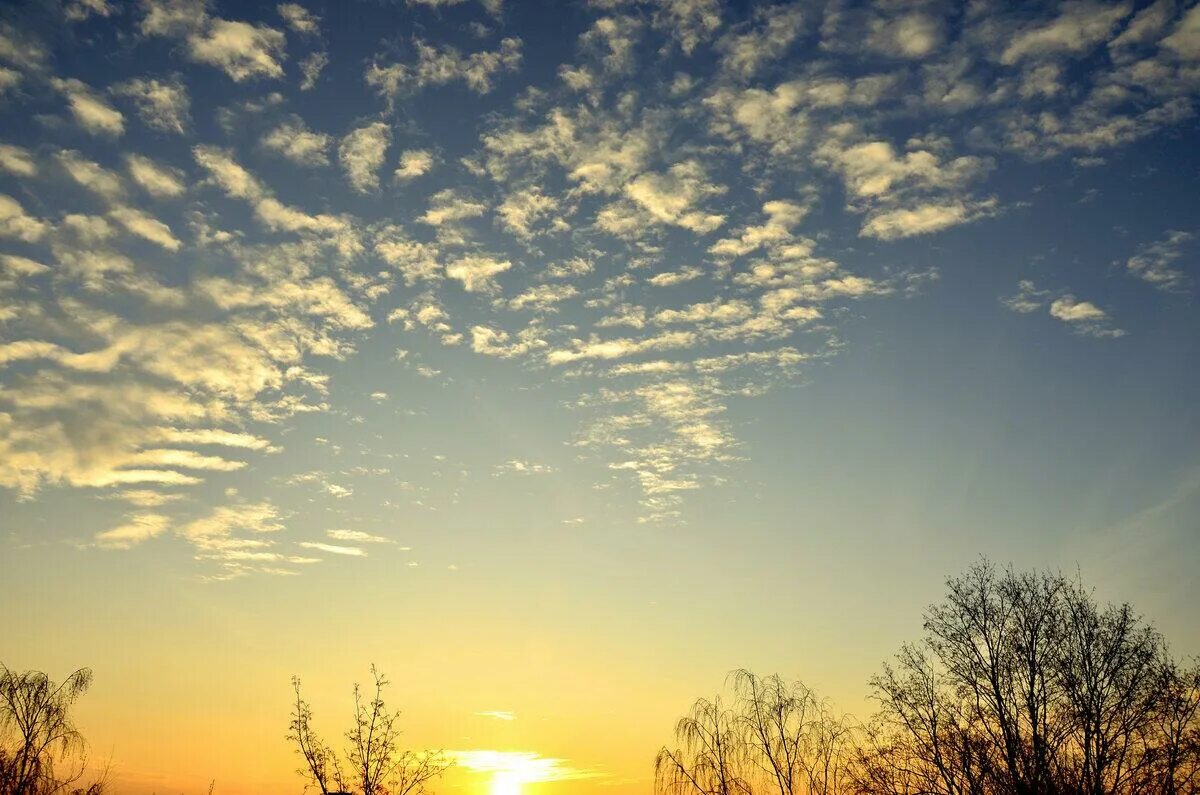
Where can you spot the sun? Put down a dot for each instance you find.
(505, 783)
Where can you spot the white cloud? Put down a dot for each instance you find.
(311, 68)
(160, 181)
(22, 266)
(477, 273)
(773, 31)
(439, 66)
(1184, 40)
(357, 536)
(1154, 262)
(335, 549)
(81, 10)
(671, 278)
(671, 197)
(136, 529)
(17, 161)
(145, 226)
(91, 112)
(362, 152)
(91, 175)
(924, 219)
(241, 50)
(449, 205)
(162, 104)
(523, 209)
(413, 163)
(299, 19)
(17, 224)
(294, 141)
(1081, 25)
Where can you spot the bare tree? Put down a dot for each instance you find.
(777, 736)
(1023, 684)
(375, 765)
(709, 757)
(41, 751)
(789, 734)
(1109, 667)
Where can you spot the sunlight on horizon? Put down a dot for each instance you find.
(510, 771)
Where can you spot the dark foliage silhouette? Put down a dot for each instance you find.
(41, 751)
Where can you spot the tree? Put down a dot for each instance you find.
(41, 751)
(1023, 684)
(710, 755)
(777, 736)
(374, 763)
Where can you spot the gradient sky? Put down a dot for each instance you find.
(559, 357)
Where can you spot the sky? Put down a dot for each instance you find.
(560, 357)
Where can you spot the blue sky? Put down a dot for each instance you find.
(605, 309)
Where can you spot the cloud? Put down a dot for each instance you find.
(413, 163)
(22, 266)
(21, 49)
(924, 219)
(91, 112)
(519, 467)
(773, 31)
(449, 205)
(162, 182)
(358, 537)
(294, 141)
(173, 17)
(620, 347)
(689, 22)
(334, 549)
(91, 175)
(439, 66)
(1081, 25)
(1154, 262)
(162, 104)
(241, 50)
(477, 273)
(1083, 317)
(522, 210)
(543, 297)
(1028, 298)
(239, 183)
(497, 714)
(147, 227)
(82, 10)
(362, 152)
(9, 79)
(512, 769)
(1184, 40)
(15, 223)
(671, 278)
(136, 529)
(311, 68)
(17, 161)
(671, 198)
(299, 19)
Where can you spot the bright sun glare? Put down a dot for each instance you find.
(509, 771)
(505, 784)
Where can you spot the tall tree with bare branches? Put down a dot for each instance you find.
(41, 751)
(374, 763)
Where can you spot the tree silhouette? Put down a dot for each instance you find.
(1021, 684)
(374, 762)
(1024, 684)
(776, 737)
(41, 751)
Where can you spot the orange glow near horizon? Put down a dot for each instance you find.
(509, 771)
